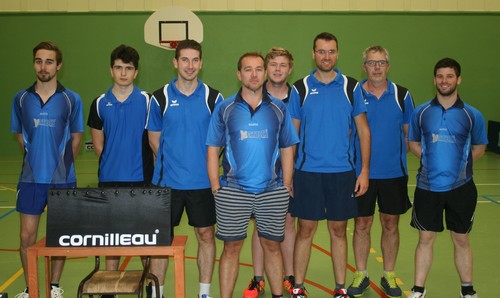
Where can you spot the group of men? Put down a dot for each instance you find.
(328, 147)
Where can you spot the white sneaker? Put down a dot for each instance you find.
(468, 295)
(56, 292)
(417, 294)
(22, 295)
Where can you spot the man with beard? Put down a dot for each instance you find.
(48, 121)
(327, 109)
(447, 135)
(389, 108)
(177, 127)
(257, 134)
(279, 65)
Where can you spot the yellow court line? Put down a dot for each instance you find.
(7, 188)
(11, 280)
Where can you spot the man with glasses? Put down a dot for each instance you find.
(389, 109)
(327, 109)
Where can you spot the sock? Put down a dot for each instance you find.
(365, 273)
(204, 289)
(153, 294)
(277, 296)
(258, 278)
(418, 289)
(54, 285)
(301, 286)
(26, 290)
(339, 286)
(467, 288)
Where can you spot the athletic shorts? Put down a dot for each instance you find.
(458, 204)
(32, 197)
(124, 184)
(324, 196)
(234, 207)
(199, 205)
(391, 195)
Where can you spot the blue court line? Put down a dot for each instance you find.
(8, 213)
(491, 200)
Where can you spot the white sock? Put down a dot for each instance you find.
(153, 295)
(204, 289)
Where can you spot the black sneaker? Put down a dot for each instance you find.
(359, 284)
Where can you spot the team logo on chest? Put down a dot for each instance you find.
(174, 103)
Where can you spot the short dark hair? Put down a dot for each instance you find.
(448, 63)
(187, 44)
(126, 54)
(250, 54)
(50, 46)
(325, 36)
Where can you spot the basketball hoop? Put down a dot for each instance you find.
(171, 44)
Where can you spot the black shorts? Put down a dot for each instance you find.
(459, 205)
(199, 205)
(391, 195)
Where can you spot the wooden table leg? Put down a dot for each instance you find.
(179, 273)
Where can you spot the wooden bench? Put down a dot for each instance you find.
(39, 249)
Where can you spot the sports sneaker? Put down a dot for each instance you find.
(204, 296)
(255, 289)
(414, 294)
(389, 285)
(340, 293)
(23, 294)
(359, 284)
(288, 284)
(107, 296)
(56, 292)
(299, 293)
(469, 295)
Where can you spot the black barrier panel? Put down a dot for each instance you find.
(109, 217)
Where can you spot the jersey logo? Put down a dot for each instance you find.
(174, 103)
(314, 91)
(44, 122)
(109, 104)
(260, 134)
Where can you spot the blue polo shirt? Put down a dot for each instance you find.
(446, 137)
(326, 124)
(181, 161)
(252, 141)
(46, 130)
(386, 119)
(126, 156)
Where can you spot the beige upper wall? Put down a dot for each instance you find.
(251, 5)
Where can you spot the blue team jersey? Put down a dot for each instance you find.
(181, 161)
(126, 156)
(326, 124)
(46, 130)
(252, 141)
(446, 137)
(386, 120)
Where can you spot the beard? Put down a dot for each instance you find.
(45, 77)
(450, 92)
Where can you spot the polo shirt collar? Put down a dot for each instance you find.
(459, 104)
(339, 79)
(60, 88)
(265, 96)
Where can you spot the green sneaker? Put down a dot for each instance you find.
(359, 284)
(390, 286)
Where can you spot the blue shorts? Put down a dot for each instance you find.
(324, 196)
(32, 197)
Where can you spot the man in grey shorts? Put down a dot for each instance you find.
(257, 133)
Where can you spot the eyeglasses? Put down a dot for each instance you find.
(323, 52)
(372, 63)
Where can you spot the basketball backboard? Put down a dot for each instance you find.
(169, 25)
